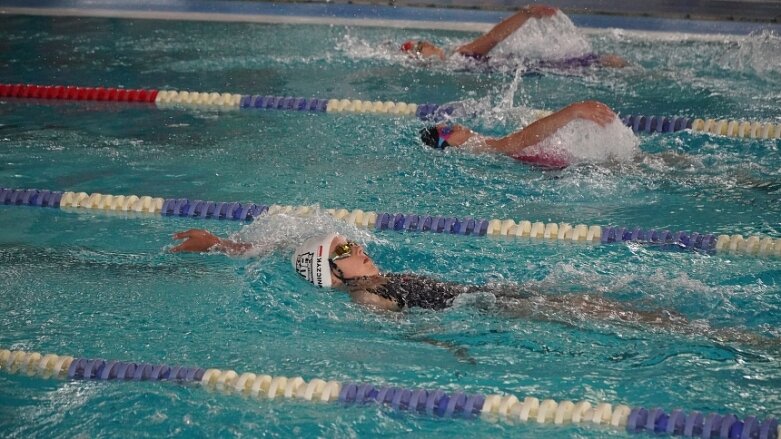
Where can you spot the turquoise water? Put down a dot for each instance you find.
(100, 285)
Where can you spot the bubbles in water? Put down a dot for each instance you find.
(586, 142)
(553, 37)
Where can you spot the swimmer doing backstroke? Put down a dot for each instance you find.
(331, 261)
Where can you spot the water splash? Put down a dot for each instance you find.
(760, 52)
(508, 97)
(498, 107)
(283, 232)
(586, 142)
(357, 48)
(553, 37)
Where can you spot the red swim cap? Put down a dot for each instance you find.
(407, 46)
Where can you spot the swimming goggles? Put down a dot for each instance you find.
(343, 250)
(443, 133)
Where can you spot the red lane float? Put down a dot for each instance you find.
(72, 93)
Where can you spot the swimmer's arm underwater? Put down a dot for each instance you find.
(198, 240)
(484, 43)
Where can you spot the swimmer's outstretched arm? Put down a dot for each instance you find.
(199, 240)
(540, 130)
(484, 43)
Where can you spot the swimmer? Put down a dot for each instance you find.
(331, 261)
(518, 145)
(480, 47)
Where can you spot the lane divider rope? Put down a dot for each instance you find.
(434, 403)
(162, 98)
(729, 128)
(737, 128)
(467, 226)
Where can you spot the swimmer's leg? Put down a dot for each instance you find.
(460, 352)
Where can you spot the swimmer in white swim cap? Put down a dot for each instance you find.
(332, 261)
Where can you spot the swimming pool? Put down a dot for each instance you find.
(93, 284)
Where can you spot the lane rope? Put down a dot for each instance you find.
(429, 111)
(467, 226)
(429, 402)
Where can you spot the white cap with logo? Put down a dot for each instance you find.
(311, 260)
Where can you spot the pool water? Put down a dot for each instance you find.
(103, 285)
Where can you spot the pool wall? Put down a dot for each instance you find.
(475, 20)
(750, 10)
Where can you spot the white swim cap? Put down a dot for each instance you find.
(311, 260)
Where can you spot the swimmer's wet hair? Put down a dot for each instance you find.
(430, 137)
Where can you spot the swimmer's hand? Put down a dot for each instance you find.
(540, 11)
(594, 111)
(195, 240)
(199, 240)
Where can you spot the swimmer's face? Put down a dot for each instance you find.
(357, 264)
(422, 49)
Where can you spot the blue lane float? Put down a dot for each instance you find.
(657, 124)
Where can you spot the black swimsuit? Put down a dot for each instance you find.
(411, 290)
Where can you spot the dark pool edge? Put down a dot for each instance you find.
(411, 16)
(758, 11)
